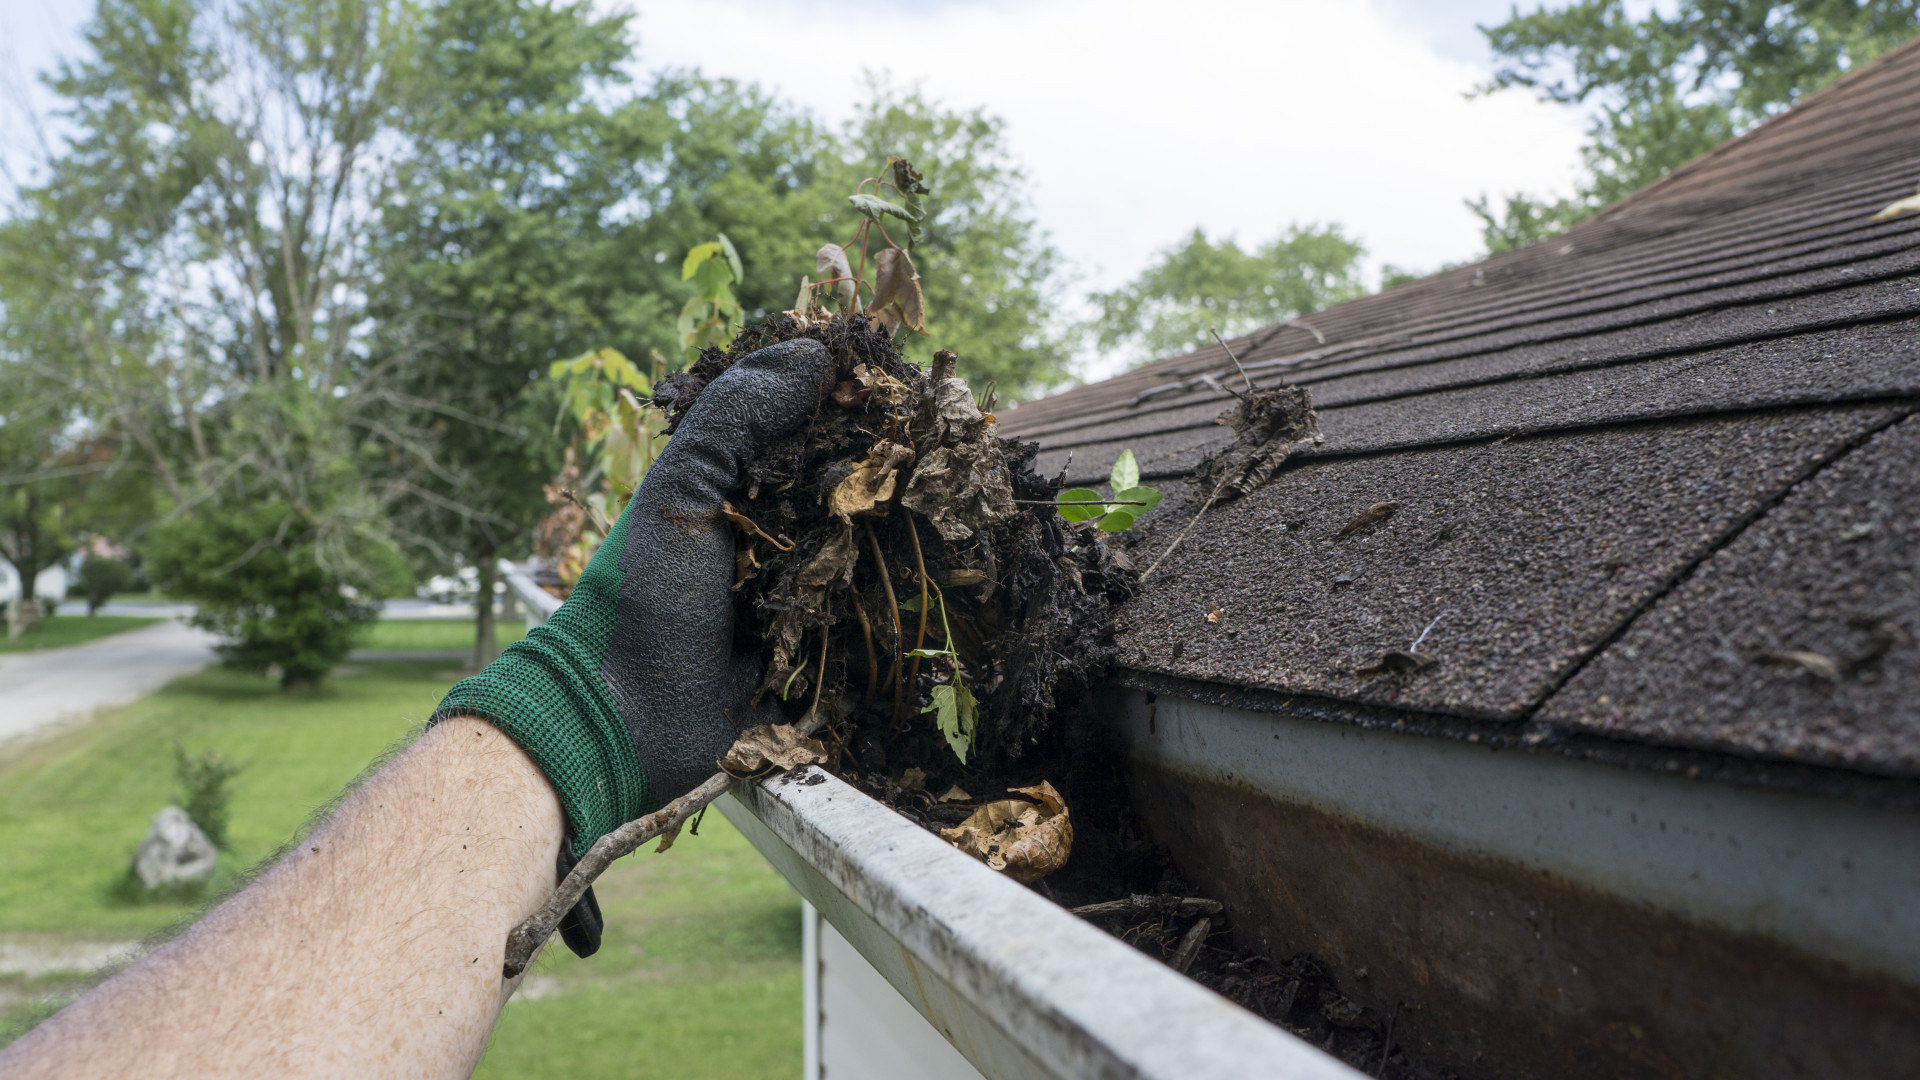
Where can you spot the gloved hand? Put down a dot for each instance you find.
(629, 693)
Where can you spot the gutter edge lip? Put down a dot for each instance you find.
(1533, 737)
(1073, 997)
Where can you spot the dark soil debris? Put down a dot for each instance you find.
(900, 472)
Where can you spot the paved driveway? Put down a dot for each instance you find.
(42, 687)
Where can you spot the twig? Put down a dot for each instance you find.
(1415, 647)
(525, 940)
(599, 520)
(1211, 499)
(1318, 337)
(920, 641)
(1135, 904)
(1190, 945)
(1236, 360)
(893, 605)
(1386, 1048)
(873, 658)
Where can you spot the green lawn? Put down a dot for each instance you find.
(699, 975)
(54, 631)
(434, 634)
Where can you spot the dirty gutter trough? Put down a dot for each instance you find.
(1019, 986)
(1022, 989)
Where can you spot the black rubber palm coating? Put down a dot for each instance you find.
(679, 685)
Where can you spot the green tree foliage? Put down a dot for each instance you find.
(489, 254)
(318, 256)
(1203, 285)
(256, 573)
(101, 578)
(1666, 88)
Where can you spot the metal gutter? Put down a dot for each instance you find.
(1021, 988)
(540, 603)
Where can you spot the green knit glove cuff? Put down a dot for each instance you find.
(546, 693)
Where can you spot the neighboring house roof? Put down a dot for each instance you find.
(1638, 467)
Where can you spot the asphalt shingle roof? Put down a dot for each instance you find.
(1627, 462)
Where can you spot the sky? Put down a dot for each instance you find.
(1136, 120)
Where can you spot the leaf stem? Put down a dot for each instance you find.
(893, 605)
(920, 641)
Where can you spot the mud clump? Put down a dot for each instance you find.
(904, 565)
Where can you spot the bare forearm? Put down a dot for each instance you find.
(374, 949)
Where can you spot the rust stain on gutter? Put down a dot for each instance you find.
(1509, 972)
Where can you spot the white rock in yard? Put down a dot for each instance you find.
(175, 851)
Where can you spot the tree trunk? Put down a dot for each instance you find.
(484, 646)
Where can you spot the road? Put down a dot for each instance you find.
(41, 688)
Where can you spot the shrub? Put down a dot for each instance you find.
(258, 578)
(100, 578)
(205, 788)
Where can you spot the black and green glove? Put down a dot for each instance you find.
(628, 694)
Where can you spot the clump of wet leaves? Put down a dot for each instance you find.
(899, 549)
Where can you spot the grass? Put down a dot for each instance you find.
(56, 631)
(698, 976)
(434, 634)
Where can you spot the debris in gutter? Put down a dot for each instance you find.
(1024, 840)
(1812, 663)
(1908, 205)
(1372, 515)
(1190, 945)
(766, 747)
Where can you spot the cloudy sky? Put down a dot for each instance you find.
(1136, 119)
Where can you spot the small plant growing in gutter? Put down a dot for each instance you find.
(1130, 498)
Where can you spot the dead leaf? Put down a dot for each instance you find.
(667, 838)
(896, 291)
(871, 484)
(959, 578)
(914, 779)
(746, 566)
(1396, 662)
(956, 793)
(1378, 512)
(961, 489)
(765, 748)
(889, 390)
(1215, 613)
(1024, 840)
(831, 262)
(1811, 662)
(1908, 205)
(827, 569)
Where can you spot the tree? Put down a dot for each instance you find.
(489, 254)
(213, 213)
(1201, 285)
(1668, 88)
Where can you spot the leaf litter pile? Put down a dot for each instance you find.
(914, 582)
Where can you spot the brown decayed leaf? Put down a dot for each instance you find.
(961, 489)
(871, 484)
(956, 793)
(1024, 840)
(896, 290)
(766, 747)
(1378, 512)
